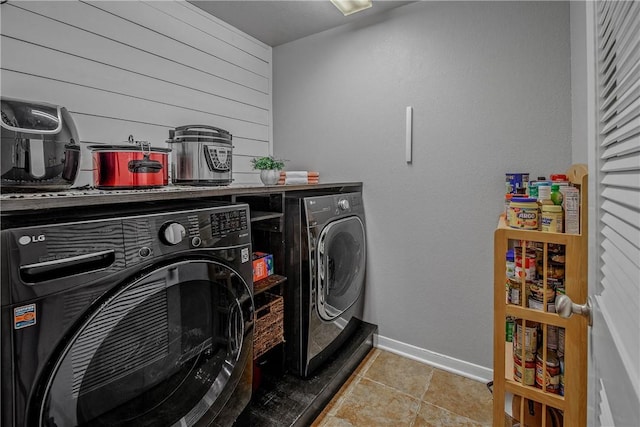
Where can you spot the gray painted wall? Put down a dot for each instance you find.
(490, 86)
(579, 116)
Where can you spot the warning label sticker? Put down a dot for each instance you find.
(24, 316)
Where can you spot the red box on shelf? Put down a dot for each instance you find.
(262, 265)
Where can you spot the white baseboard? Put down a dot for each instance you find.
(440, 361)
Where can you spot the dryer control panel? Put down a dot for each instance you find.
(322, 209)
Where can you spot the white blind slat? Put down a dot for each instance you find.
(626, 248)
(625, 230)
(623, 132)
(630, 162)
(625, 108)
(626, 213)
(618, 13)
(628, 146)
(625, 65)
(621, 41)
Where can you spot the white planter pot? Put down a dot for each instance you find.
(269, 176)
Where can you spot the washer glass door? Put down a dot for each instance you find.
(341, 266)
(158, 351)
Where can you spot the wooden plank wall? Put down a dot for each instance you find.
(140, 68)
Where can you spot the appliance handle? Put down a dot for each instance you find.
(236, 329)
(144, 166)
(323, 270)
(37, 167)
(187, 127)
(49, 270)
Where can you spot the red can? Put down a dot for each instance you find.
(558, 177)
(129, 166)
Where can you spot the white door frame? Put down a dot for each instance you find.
(594, 193)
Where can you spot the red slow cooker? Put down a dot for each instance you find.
(130, 166)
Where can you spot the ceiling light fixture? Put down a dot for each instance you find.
(347, 7)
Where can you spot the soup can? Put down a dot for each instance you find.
(527, 337)
(526, 375)
(514, 291)
(548, 377)
(552, 337)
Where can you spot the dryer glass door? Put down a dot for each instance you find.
(341, 266)
(158, 351)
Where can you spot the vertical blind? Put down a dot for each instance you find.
(618, 75)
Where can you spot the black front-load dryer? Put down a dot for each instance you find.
(325, 266)
(135, 320)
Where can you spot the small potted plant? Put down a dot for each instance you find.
(269, 168)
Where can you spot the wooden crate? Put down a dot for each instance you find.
(269, 325)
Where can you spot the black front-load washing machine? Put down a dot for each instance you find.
(140, 319)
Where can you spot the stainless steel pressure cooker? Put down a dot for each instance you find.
(40, 147)
(201, 155)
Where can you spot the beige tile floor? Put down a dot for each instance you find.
(390, 390)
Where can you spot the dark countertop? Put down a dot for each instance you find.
(77, 197)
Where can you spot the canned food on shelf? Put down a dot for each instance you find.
(511, 264)
(528, 377)
(548, 377)
(514, 290)
(526, 267)
(517, 182)
(523, 213)
(527, 338)
(552, 219)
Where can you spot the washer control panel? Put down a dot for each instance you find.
(225, 222)
(164, 233)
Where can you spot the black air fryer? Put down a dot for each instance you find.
(40, 147)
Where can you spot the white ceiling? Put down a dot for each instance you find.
(278, 22)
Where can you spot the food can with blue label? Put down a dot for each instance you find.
(514, 181)
(523, 213)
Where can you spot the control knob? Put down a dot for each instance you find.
(172, 233)
(343, 204)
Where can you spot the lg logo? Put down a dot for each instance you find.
(25, 240)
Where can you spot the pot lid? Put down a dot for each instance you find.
(178, 139)
(131, 148)
(201, 128)
(204, 132)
